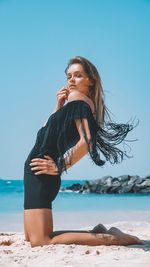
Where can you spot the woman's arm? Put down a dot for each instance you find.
(62, 96)
(81, 148)
(78, 152)
(48, 166)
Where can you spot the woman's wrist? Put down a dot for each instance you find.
(66, 164)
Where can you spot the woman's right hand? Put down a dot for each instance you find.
(44, 166)
(62, 96)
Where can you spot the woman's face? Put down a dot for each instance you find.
(77, 79)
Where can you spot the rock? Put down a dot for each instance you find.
(113, 190)
(91, 185)
(145, 190)
(113, 185)
(133, 179)
(146, 183)
(105, 178)
(123, 178)
(116, 183)
(127, 189)
(103, 189)
(109, 181)
(74, 187)
(139, 180)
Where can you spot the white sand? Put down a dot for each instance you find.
(20, 253)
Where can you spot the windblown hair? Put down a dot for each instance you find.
(96, 90)
(109, 134)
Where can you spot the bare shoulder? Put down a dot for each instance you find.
(75, 95)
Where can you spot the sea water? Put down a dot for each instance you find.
(12, 193)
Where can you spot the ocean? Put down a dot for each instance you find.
(73, 210)
(11, 199)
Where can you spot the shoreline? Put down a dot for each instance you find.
(76, 220)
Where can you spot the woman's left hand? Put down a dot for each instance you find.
(44, 166)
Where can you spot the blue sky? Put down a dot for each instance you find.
(37, 39)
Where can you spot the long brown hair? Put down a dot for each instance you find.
(109, 134)
(96, 92)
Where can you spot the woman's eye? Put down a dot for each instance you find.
(78, 75)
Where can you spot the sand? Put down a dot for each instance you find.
(20, 253)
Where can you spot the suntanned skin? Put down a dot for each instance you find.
(38, 223)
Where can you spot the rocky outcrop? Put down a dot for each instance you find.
(114, 185)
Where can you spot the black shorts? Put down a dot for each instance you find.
(40, 190)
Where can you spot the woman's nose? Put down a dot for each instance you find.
(71, 79)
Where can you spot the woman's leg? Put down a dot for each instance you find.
(25, 229)
(31, 217)
(38, 226)
(100, 228)
(127, 239)
(114, 237)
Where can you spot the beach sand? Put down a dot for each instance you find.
(20, 254)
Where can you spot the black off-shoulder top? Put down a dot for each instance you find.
(60, 134)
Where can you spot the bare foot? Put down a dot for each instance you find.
(99, 229)
(124, 239)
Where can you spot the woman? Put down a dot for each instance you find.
(70, 133)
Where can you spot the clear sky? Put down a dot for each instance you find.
(37, 39)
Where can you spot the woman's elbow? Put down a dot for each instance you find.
(85, 143)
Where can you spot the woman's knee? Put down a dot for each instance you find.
(37, 241)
